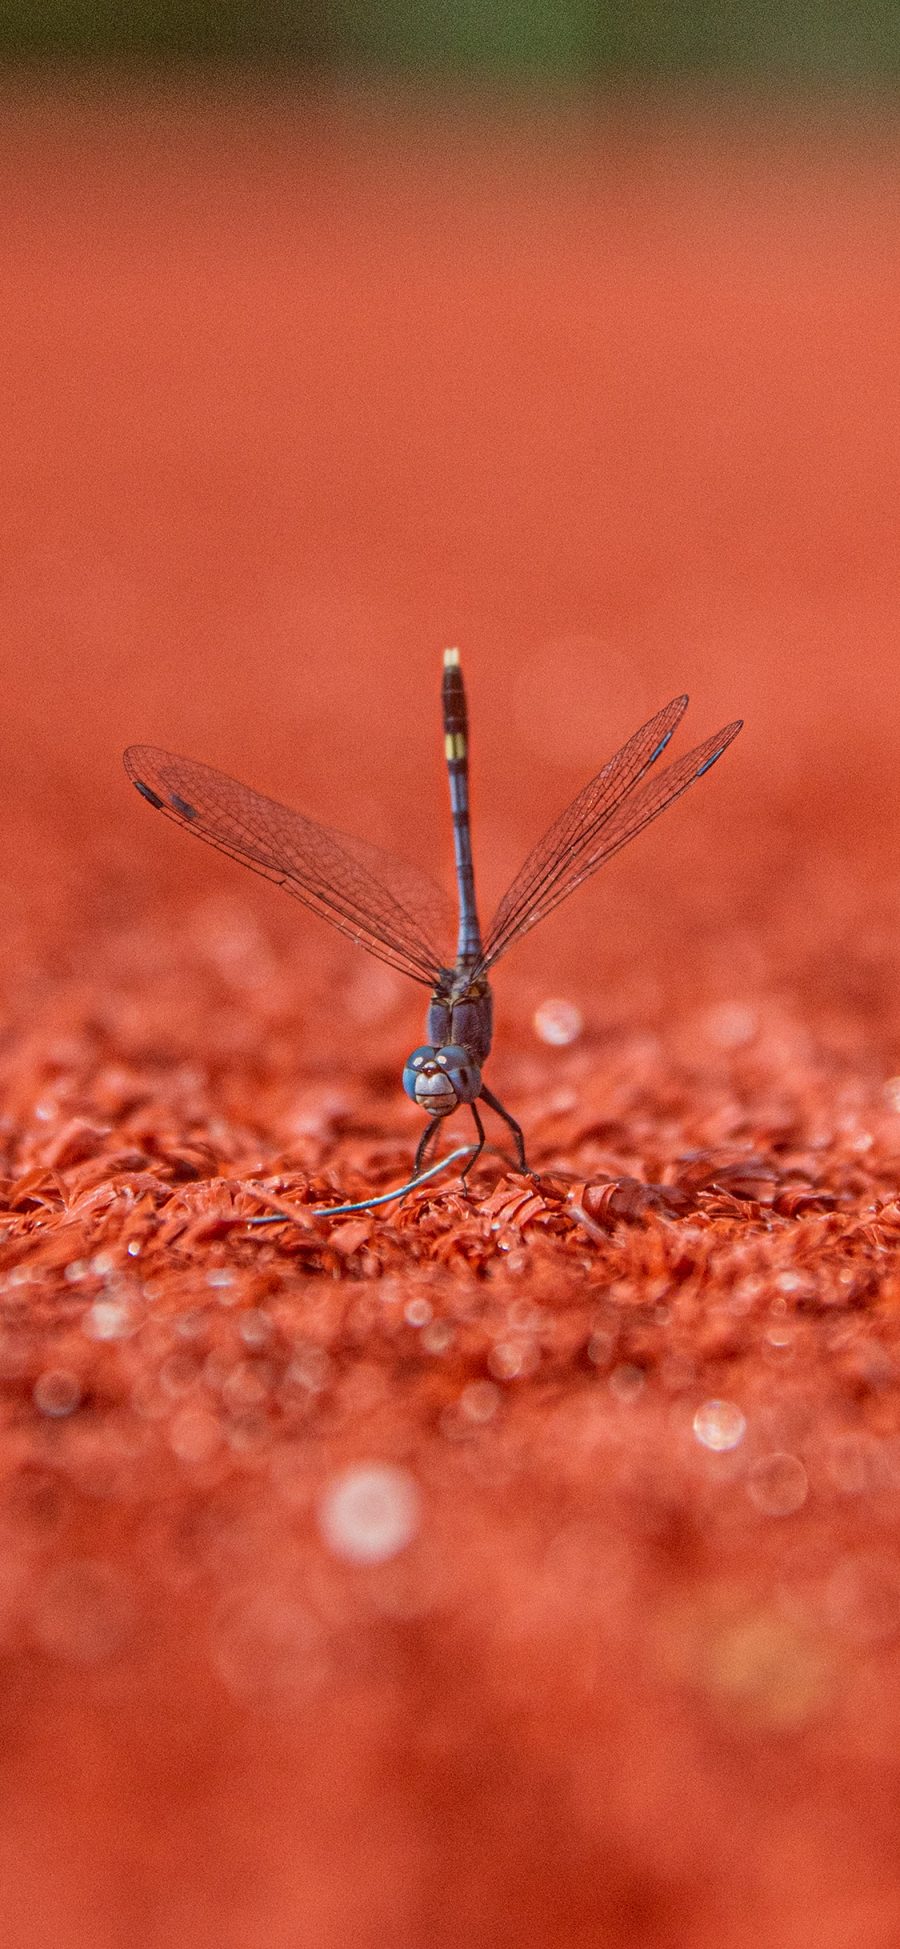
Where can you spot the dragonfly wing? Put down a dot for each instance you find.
(382, 904)
(609, 812)
(573, 831)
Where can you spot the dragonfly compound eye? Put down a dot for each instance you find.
(461, 1071)
(439, 1079)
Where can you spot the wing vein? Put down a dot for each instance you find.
(611, 810)
(378, 902)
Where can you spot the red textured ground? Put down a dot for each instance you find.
(292, 396)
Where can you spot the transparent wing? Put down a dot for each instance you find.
(610, 811)
(574, 830)
(378, 901)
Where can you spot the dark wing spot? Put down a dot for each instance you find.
(181, 805)
(146, 793)
(710, 761)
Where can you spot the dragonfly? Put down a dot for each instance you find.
(398, 914)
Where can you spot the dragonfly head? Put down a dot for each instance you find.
(440, 1079)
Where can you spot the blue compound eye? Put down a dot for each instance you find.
(461, 1071)
(439, 1079)
(414, 1066)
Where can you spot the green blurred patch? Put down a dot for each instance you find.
(470, 37)
(566, 39)
(231, 31)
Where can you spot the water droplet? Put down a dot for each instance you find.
(417, 1312)
(891, 1093)
(778, 1485)
(370, 1513)
(21, 1275)
(220, 1279)
(479, 1401)
(255, 1327)
(107, 1319)
(57, 1392)
(558, 1022)
(779, 1344)
(510, 1360)
(626, 1381)
(438, 1336)
(719, 1425)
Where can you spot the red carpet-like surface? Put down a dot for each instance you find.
(519, 1569)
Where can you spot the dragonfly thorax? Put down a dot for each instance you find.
(461, 1013)
(439, 1079)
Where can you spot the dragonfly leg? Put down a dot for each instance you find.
(478, 1147)
(516, 1128)
(430, 1130)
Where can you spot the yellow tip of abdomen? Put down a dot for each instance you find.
(451, 659)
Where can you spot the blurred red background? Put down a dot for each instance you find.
(293, 394)
(296, 391)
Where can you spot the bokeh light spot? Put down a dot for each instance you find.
(370, 1513)
(719, 1425)
(777, 1485)
(558, 1022)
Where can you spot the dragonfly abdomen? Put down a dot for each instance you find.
(456, 752)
